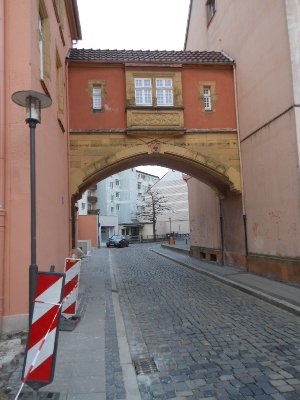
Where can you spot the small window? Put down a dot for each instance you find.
(118, 207)
(112, 197)
(164, 92)
(210, 9)
(111, 185)
(117, 182)
(117, 194)
(112, 210)
(83, 206)
(139, 185)
(143, 92)
(96, 98)
(207, 99)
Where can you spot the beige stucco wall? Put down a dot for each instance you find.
(204, 215)
(21, 70)
(263, 38)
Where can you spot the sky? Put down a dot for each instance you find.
(134, 25)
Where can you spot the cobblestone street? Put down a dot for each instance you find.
(208, 340)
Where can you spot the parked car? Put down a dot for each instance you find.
(117, 241)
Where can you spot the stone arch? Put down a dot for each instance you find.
(95, 166)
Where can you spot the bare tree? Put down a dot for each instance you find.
(155, 204)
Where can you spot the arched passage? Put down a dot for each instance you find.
(95, 157)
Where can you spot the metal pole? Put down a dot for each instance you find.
(33, 268)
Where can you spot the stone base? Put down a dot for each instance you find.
(40, 396)
(15, 323)
(279, 268)
(68, 324)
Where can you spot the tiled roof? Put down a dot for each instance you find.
(153, 56)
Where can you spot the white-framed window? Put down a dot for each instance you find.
(117, 194)
(143, 91)
(111, 185)
(112, 197)
(117, 182)
(83, 206)
(112, 210)
(207, 98)
(96, 98)
(164, 92)
(210, 9)
(118, 207)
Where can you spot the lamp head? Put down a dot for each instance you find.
(33, 102)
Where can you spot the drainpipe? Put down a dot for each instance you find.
(2, 159)
(70, 201)
(221, 231)
(241, 166)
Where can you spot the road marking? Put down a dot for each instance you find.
(130, 380)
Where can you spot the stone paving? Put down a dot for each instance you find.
(209, 341)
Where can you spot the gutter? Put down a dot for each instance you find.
(188, 25)
(241, 166)
(2, 158)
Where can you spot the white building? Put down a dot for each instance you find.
(174, 188)
(118, 198)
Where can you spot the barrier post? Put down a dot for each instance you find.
(41, 349)
(69, 319)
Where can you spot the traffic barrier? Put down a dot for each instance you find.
(72, 271)
(40, 356)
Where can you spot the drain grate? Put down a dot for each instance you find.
(145, 366)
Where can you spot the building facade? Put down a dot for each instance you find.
(35, 37)
(268, 103)
(175, 220)
(118, 198)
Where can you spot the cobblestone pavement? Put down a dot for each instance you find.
(209, 341)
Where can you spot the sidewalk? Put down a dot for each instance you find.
(279, 294)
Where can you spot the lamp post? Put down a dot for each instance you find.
(98, 227)
(33, 102)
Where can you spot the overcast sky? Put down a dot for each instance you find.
(133, 25)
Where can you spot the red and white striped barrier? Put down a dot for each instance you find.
(41, 349)
(72, 271)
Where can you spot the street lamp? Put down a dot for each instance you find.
(98, 227)
(33, 102)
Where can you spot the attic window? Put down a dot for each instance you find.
(210, 10)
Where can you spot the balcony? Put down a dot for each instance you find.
(93, 187)
(92, 212)
(92, 199)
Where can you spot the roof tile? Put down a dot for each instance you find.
(160, 56)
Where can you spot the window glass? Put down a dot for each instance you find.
(207, 98)
(143, 92)
(96, 98)
(164, 92)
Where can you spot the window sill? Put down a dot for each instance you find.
(155, 108)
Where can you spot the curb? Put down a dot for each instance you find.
(283, 304)
(178, 249)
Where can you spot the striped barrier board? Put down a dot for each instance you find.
(40, 356)
(72, 271)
